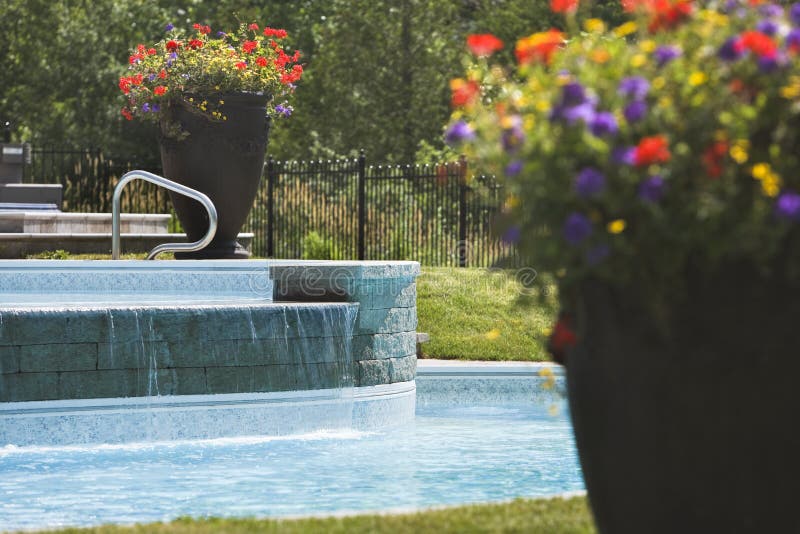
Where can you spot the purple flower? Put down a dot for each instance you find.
(771, 10)
(514, 135)
(514, 168)
(155, 108)
(731, 50)
(577, 227)
(635, 111)
(151, 77)
(146, 107)
(222, 34)
(794, 14)
(603, 123)
(651, 189)
(573, 94)
(589, 181)
(284, 110)
(624, 155)
(169, 27)
(584, 112)
(665, 54)
(768, 27)
(634, 87)
(458, 132)
(597, 253)
(770, 64)
(793, 39)
(511, 235)
(788, 206)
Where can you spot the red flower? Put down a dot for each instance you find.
(136, 79)
(282, 59)
(140, 48)
(241, 65)
(135, 58)
(159, 90)
(296, 56)
(562, 338)
(261, 61)
(205, 30)
(463, 92)
(538, 47)
(563, 6)
(714, 157)
(484, 44)
(127, 114)
(650, 150)
(272, 32)
(151, 51)
(125, 85)
(293, 75)
(172, 45)
(667, 16)
(162, 74)
(194, 44)
(760, 44)
(253, 27)
(249, 46)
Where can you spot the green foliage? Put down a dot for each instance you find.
(480, 314)
(699, 179)
(316, 247)
(540, 516)
(59, 254)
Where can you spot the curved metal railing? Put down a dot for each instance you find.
(172, 186)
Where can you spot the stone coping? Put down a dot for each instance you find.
(463, 368)
(51, 215)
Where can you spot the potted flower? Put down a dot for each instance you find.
(212, 97)
(654, 169)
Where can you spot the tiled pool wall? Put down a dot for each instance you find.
(62, 352)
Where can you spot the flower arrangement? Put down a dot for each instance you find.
(200, 69)
(634, 153)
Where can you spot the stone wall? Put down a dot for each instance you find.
(384, 342)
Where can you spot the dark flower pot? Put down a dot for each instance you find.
(224, 160)
(689, 423)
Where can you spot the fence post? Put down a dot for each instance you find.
(462, 211)
(362, 204)
(270, 207)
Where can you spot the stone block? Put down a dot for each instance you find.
(103, 384)
(9, 359)
(58, 357)
(380, 321)
(133, 355)
(185, 381)
(22, 387)
(383, 346)
(375, 372)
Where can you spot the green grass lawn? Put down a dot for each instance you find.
(540, 516)
(478, 314)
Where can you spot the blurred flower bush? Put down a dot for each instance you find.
(200, 69)
(634, 153)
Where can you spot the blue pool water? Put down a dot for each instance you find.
(455, 452)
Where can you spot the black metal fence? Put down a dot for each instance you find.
(350, 210)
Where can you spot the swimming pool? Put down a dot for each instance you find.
(481, 433)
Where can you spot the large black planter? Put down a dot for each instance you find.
(693, 426)
(224, 160)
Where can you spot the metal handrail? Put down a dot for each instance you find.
(172, 186)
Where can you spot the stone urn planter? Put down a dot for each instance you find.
(223, 159)
(689, 423)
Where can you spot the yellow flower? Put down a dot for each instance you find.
(543, 106)
(790, 92)
(512, 201)
(594, 26)
(665, 102)
(761, 170)
(648, 46)
(492, 334)
(638, 60)
(616, 226)
(697, 78)
(739, 150)
(625, 29)
(771, 185)
(221, 102)
(659, 83)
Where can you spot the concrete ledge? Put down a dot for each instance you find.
(19, 245)
(38, 222)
